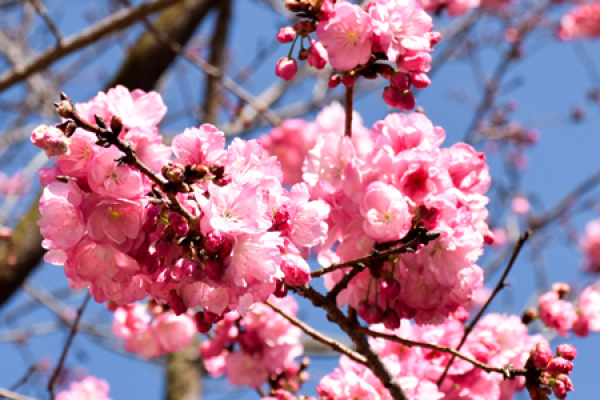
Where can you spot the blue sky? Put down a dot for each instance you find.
(553, 82)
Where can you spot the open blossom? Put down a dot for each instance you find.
(385, 212)
(347, 35)
(136, 109)
(583, 21)
(266, 343)
(588, 312)
(90, 388)
(557, 313)
(107, 178)
(400, 25)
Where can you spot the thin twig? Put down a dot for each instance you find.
(115, 22)
(501, 284)
(508, 373)
(14, 396)
(349, 107)
(43, 12)
(375, 256)
(310, 331)
(63, 356)
(343, 283)
(214, 72)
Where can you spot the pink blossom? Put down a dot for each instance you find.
(235, 209)
(199, 146)
(61, 222)
(286, 35)
(317, 55)
(173, 332)
(400, 25)
(454, 7)
(588, 311)
(148, 146)
(90, 388)
(82, 149)
(290, 143)
(109, 179)
(255, 258)
(520, 205)
(347, 35)
(401, 132)
(385, 212)
(556, 313)
(137, 109)
(130, 320)
(583, 21)
(468, 169)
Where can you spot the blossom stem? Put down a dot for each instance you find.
(310, 331)
(349, 106)
(501, 284)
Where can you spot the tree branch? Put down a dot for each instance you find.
(115, 22)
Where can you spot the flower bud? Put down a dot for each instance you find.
(317, 55)
(561, 288)
(212, 317)
(559, 365)
(420, 80)
(348, 80)
(389, 288)
(566, 351)
(280, 289)
(400, 81)
(176, 303)
(214, 241)
(179, 224)
(334, 81)
(286, 68)
(391, 320)
(541, 355)
(286, 35)
(202, 325)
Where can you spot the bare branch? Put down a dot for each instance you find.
(113, 23)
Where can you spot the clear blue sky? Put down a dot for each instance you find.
(553, 81)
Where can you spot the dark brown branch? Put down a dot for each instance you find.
(148, 60)
(115, 22)
(310, 331)
(213, 98)
(374, 362)
(349, 108)
(501, 284)
(63, 356)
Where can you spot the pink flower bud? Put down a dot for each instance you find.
(212, 317)
(400, 81)
(581, 327)
(420, 80)
(334, 81)
(434, 38)
(317, 55)
(389, 288)
(391, 319)
(559, 365)
(566, 351)
(296, 270)
(286, 68)
(286, 35)
(560, 389)
(541, 355)
(213, 269)
(407, 102)
(152, 215)
(202, 326)
(280, 289)
(176, 304)
(214, 241)
(52, 140)
(348, 80)
(179, 224)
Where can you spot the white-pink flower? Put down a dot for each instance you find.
(347, 35)
(385, 213)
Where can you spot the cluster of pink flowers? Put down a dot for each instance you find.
(168, 332)
(352, 40)
(90, 388)
(15, 184)
(562, 316)
(123, 244)
(590, 244)
(583, 21)
(498, 340)
(292, 140)
(555, 371)
(381, 186)
(252, 349)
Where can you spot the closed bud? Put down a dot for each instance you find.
(334, 81)
(212, 317)
(286, 68)
(561, 288)
(280, 289)
(65, 108)
(286, 35)
(541, 355)
(349, 80)
(116, 125)
(559, 365)
(566, 351)
(202, 325)
(176, 303)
